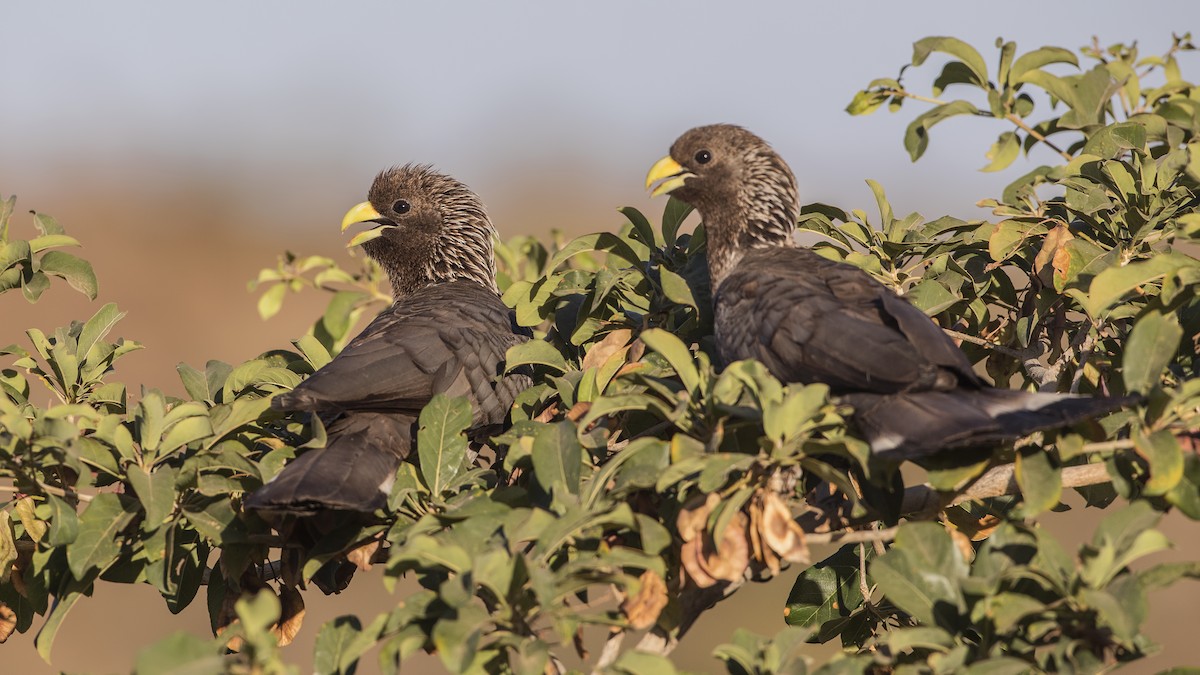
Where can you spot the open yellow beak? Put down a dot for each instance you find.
(670, 170)
(362, 213)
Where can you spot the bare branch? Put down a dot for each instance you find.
(984, 343)
(612, 649)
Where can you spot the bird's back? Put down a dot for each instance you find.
(811, 319)
(448, 338)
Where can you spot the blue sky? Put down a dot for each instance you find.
(297, 105)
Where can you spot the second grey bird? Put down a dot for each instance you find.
(446, 333)
(810, 319)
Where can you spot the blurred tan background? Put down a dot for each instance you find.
(187, 148)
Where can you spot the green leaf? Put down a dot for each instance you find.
(64, 524)
(829, 591)
(180, 654)
(46, 241)
(676, 288)
(956, 48)
(1040, 481)
(916, 136)
(156, 491)
(1003, 152)
(1112, 284)
(866, 102)
(643, 663)
(96, 329)
(921, 572)
(674, 213)
(557, 457)
(329, 652)
(270, 302)
(441, 446)
(1040, 58)
(98, 543)
(600, 241)
(1151, 347)
(456, 640)
(77, 271)
(1115, 139)
(1162, 453)
(65, 600)
(535, 352)
(185, 431)
(8, 545)
(46, 224)
(931, 297)
(241, 412)
(641, 225)
(676, 353)
(33, 288)
(193, 381)
(336, 320)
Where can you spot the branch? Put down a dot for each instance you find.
(984, 343)
(50, 489)
(923, 500)
(1012, 117)
(612, 649)
(853, 536)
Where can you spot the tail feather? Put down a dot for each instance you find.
(354, 472)
(917, 424)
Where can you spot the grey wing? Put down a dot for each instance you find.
(814, 320)
(393, 365)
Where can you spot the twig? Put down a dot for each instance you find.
(1012, 117)
(1107, 446)
(1007, 351)
(999, 481)
(611, 650)
(50, 489)
(1050, 376)
(1085, 353)
(852, 536)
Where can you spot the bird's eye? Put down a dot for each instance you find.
(703, 157)
(401, 206)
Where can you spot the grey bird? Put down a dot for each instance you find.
(446, 333)
(810, 319)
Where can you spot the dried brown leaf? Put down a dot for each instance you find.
(8, 622)
(963, 542)
(613, 343)
(361, 556)
(693, 518)
(727, 558)
(579, 410)
(690, 557)
(642, 609)
(291, 615)
(1048, 259)
(547, 414)
(780, 532)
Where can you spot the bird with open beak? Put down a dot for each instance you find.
(446, 333)
(810, 319)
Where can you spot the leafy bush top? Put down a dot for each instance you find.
(639, 485)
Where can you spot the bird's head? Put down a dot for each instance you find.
(736, 181)
(426, 228)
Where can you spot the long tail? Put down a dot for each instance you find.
(918, 424)
(354, 472)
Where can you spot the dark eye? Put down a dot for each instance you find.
(703, 156)
(401, 206)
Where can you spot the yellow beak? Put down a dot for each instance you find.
(362, 213)
(358, 214)
(669, 169)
